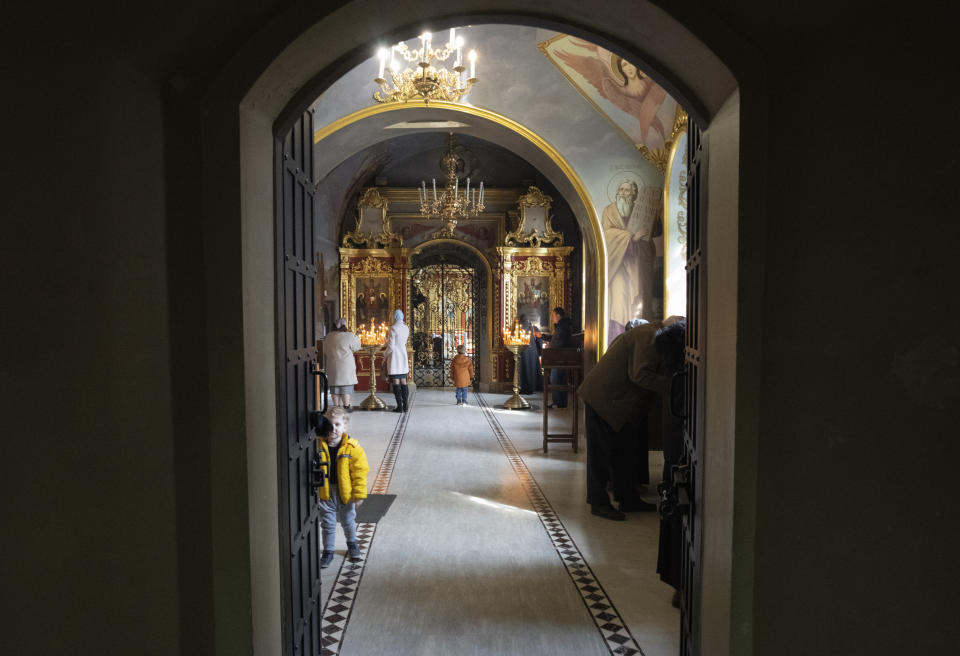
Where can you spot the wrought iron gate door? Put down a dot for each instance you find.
(296, 384)
(693, 432)
(444, 316)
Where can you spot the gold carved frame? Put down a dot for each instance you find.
(526, 233)
(375, 264)
(535, 265)
(367, 206)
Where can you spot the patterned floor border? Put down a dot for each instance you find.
(339, 605)
(605, 616)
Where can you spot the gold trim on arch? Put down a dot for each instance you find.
(536, 140)
(666, 212)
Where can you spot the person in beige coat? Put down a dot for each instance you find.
(461, 371)
(338, 349)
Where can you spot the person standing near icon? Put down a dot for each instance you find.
(395, 362)
(562, 337)
(338, 349)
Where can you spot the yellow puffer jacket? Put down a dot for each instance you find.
(351, 467)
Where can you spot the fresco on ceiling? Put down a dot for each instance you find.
(639, 107)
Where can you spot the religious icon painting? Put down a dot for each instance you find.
(533, 301)
(373, 300)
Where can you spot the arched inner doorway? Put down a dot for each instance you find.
(449, 294)
(286, 81)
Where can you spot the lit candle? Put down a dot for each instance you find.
(383, 61)
(453, 37)
(426, 52)
(473, 64)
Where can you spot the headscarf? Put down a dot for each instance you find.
(397, 316)
(341, 323)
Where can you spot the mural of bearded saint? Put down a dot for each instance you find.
(628, 225)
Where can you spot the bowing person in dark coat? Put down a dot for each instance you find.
(618, 393)
(562, 337)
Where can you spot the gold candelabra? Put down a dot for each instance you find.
(372, 333)
(452, 203)
(372, 338)
(516, 341)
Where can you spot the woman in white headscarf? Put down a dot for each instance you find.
(395, 362)
(341, 368)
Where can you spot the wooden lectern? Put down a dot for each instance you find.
(570, 360)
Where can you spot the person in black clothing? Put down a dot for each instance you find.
(562, 337)
(531, 379)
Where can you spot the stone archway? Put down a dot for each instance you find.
(285, 67)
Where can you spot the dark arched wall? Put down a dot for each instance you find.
(124, 457)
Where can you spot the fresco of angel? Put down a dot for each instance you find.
(610, 77)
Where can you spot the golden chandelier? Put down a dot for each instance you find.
(453, 203)
(428, 83)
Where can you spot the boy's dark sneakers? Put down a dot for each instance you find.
(607, 512)
(353, 550)
(325, 559)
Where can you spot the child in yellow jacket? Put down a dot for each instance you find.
(461, 371)
(345, 485)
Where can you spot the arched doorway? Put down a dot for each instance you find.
(449, 293)
(287, 79)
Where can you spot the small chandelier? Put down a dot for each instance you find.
(453, 203)
(429, 83)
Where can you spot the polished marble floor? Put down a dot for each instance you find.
(489, 547)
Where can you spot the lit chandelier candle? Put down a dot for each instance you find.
(426, 81)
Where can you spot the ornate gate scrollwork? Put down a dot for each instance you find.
(448, 307)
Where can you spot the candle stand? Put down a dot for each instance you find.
(516, 402)
(373, 402)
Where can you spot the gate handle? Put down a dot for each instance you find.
(315, 367)
(675, 498)
(317, 473)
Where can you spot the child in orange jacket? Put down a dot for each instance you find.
(461, 371)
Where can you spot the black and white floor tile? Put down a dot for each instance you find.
(612, 628)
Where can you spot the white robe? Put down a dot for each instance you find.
(395, 351)
(338, 348)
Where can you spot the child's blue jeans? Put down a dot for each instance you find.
(462, 394)
(330, 512)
